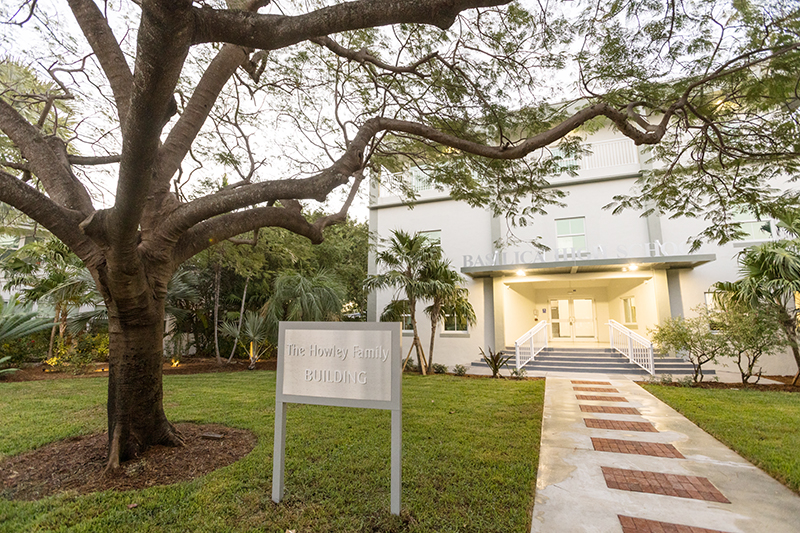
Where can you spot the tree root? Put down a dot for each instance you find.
(170, 437)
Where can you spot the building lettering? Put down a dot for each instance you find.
(526, 257)
(336, 376)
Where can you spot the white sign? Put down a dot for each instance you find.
(348, 364)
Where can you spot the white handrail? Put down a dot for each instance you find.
(636, 348)
(537, 337)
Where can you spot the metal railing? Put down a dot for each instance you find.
(636, 348)
(536, 339)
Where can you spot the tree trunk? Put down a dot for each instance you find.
(136, 418)
(241, 315)
(430, 348)
(53, 334)
(217, 281)
(790, 329)
(412, 307)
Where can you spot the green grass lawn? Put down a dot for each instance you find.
(762, 426)
(470, 453)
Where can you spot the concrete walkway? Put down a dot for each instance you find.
(609, 466)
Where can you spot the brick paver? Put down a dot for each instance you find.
(694, 487)
(619, 425)
(595, 389)
(642, 525)
(609, 409)
(580, 382)
(600, 398)
(655, 449)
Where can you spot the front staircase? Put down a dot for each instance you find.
(595, 361)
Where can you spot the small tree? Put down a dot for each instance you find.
(407, 257)
(448, 297)
(252, 335)
(693, 337)
(750, 333)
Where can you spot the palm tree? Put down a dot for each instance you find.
(251, 333)
(407, 257)
(17, 320)
(448, 298)
(771, 277)
(48, 271)
(318, 297)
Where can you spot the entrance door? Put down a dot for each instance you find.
(572, 319)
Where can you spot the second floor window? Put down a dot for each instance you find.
(754, 229)
(571, 233)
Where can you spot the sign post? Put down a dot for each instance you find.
(346, 364)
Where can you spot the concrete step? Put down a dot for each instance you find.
(594, 360)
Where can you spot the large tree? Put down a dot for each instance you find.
(362, 83)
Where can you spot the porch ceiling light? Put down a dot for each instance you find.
(633, 267)
(520, 272)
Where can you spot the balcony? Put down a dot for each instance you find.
(608, 159)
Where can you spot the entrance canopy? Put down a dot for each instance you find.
(616, 264)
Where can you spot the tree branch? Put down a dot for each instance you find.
(163, 43)
(49, 164)
(271, 32)
(182, 135)
(61, 222)
(93, 160)
(106, 48)
(210, 232)
(363, 56)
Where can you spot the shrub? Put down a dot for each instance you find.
(518, 374)
(692, 337)
(496, 361)
(439, 368)
(30, 348)
(80, 352)
(460, 370)
(750, 334)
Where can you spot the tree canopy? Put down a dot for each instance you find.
(287, 103)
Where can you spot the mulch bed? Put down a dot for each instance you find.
(76, 464)
(193, 365)
(784, 386)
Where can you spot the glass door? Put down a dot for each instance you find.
(572, 319)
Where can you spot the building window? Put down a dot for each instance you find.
(406, 320)
(433, 236)
(571, 233)
(455, 322)
(629, 310)
(754, 229)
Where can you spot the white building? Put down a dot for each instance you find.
(635, 270)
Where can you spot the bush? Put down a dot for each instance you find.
(28, 349)
(693, 337)
(460, 370)
(750, 334)
(82, 351)
(735, 331)
(439, 368)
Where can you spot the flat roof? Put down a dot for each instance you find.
(574, 266)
